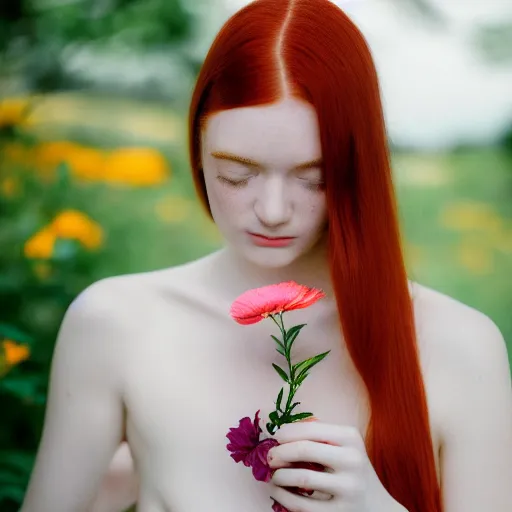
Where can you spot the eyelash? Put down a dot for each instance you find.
(233, 183)
(315, 187)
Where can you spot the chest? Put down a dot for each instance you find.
(187, 392)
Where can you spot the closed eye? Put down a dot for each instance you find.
(233, 183)
(313, 185)
(312, 180)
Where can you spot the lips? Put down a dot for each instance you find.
(266, 241)
(265, 237)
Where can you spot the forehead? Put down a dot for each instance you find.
(284, 132)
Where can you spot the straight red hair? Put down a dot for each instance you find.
(310, 49)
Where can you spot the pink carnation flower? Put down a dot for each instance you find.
(257, 304)
(245, 446)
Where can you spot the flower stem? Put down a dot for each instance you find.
(293, 386)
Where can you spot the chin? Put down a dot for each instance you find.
(271, 258)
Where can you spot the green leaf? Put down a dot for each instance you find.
(12, 492)
(300, 416)
(274, 417)
(300, 379)
(23, 386)
(279, 398)
(291, 335)
(10, 478)
(271, 428)
(65, 250)
(304, 366)
(293, 406)
(280, 346)
(286, 417)
(13, 333)
(17, 463)
(63, 173)
(281, 372)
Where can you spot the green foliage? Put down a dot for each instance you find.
(134, 22)
(36, 36)
(36, 291)
(506, 142)
(32, 309)
(494, 42)
(38, 281)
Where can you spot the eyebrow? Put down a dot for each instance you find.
(222, 155)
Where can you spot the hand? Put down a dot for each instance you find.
(349, 478)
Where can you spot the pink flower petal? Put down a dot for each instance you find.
(244, 438)
(254, 305)
(245, 446)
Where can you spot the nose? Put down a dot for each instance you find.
(273, 207)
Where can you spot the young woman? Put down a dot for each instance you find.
(289, 154)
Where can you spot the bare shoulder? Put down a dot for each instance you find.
(121, 295)
(99, 324)
(451, 327)
(465, 360)
(127, 300)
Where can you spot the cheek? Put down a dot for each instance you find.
(225, 201)
(314, 212)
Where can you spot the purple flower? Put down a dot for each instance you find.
(245, 446)
(277, 507)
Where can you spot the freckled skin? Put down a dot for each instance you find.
(276, 200)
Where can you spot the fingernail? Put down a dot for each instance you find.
(310, 418)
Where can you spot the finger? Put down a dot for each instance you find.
(295, 502)
(337, 435)
(335, 458)
(306, 479)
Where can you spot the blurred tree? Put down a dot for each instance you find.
(506, 141)
(37, 37)
(425, 9)
(492, 40)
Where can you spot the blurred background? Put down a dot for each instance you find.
(94, 177)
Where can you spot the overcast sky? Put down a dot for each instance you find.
(436, 90)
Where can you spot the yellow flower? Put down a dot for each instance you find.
(469, 216)
(13, 111)
(129, 166)
(17, 153)
(173, 209)
(86, 163)
(136, 166)
(504, 242)
(74, 225)
(9, 186)
(51, 154)
(83, 162)
(41, 245)
(14, 352)
(475, 256)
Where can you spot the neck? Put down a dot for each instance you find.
(311, 270)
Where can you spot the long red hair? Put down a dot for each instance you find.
(310, 49)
